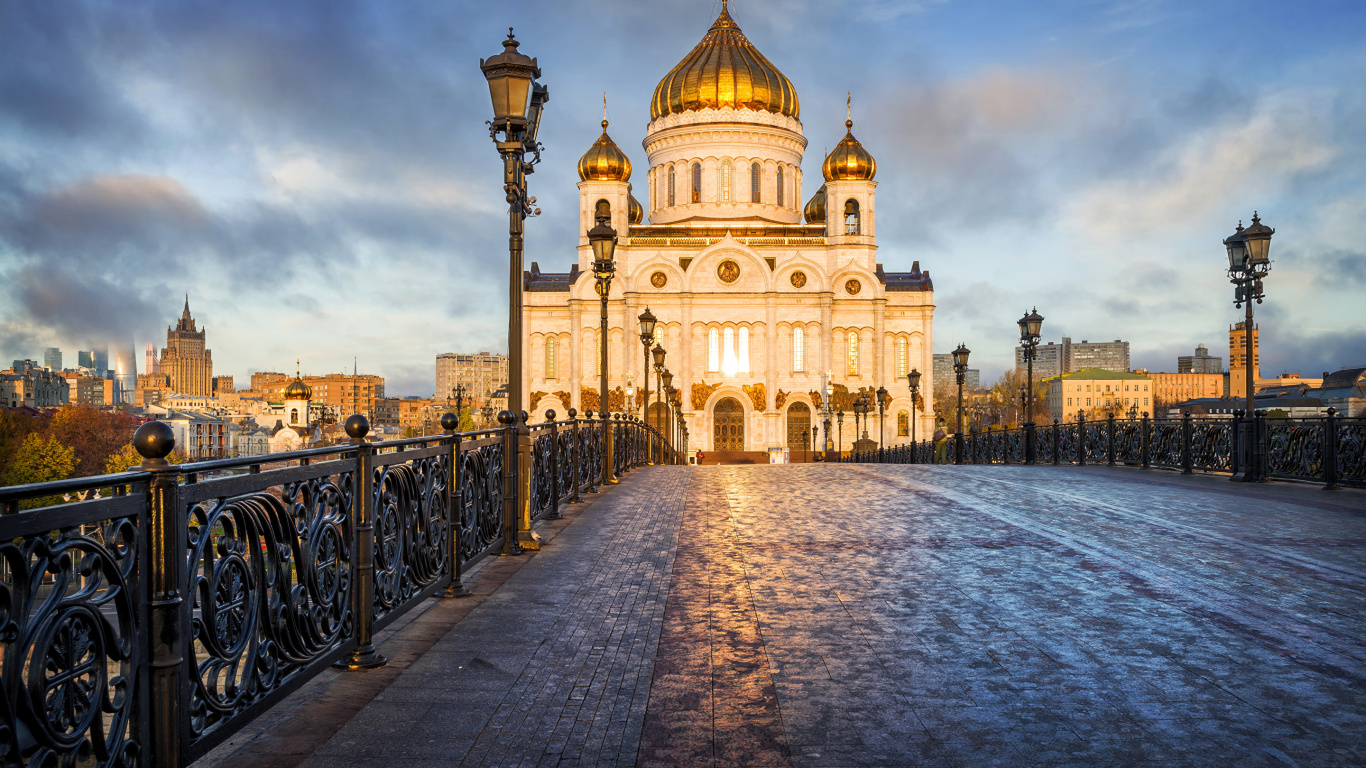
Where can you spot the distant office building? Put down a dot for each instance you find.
(1171, 388)
(186, 363)
(101, 362)
(946, 381)
(222, 385)
(150, 365)
(52, 358)
(1069, 357)
(32, 386)
(91, 390)
(125, 374)
(1098, 392)
(481, 374)
(1200, 362)
(1237, 359)
(85, 359)
(347, 393)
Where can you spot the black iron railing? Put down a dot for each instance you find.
(1330, 449)
(152, 617)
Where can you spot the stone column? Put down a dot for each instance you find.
(575, 350)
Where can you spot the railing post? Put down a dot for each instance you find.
(1330, 450)
(511, 492)
(591, 482)
(1056, 451)
(1259, 447)
(1030, 447)
(365, 655)
(574, 453)
(1145, 435)
(167, 593)
(554, 513)
(1237, 463)
(1110, 430)
(1081, 438)
(1186, 463)
(454, 502)
(972, 440)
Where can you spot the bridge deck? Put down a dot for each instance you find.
(826, 615)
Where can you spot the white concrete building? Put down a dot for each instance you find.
(756, 307)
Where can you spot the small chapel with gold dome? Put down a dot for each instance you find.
(763, 295)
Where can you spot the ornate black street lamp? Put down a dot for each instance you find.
(815, 430)
(517, 103)
(658, 354)
(647, 337)
(881, 414)
(960, 371)
(666, 415)
(1030, 327)
(914, 379)
(825, 413)
(840, 418)
(1248, 263)
(603, 239)
(459, 398)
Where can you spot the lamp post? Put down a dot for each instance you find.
(815, 430)
(913, 378)
(881, 417)
(647, 337)
(1031, 324)
(666, 416)
(1248, 263)
(517, 104)
(829, 400)
(458, 395)
(659, 354)
(960, 371)
(603, 239)
(840, 417)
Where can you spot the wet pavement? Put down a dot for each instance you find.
(854, 615)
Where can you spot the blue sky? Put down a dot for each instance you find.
(316, 174)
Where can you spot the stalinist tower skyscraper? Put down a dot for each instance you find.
(186, 364)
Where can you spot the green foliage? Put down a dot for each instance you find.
(1278, 413)
(40, 460)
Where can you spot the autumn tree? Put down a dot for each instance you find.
(127, 458)
(93, 434)
(14, 427)
(40, 460)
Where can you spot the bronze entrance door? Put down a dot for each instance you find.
(728, 425)
(798, 429)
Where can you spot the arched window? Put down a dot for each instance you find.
(728, 351)
(903, 424)
(671, 185)
(725, 182)
(851, 225)
(550, 344)
(697, 182)
(713, 350)
(798, 350)
(744, 351)
(293, 416)
(755, 194)
(780, 186)
(902, 361)
(853, 353)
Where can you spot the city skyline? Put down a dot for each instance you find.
(325, 168)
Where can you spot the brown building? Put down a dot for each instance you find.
(1237, 359)
(347, 393)
(185, 362)
(222, 385)
(90, 390)
(482, 374)
(1172, 388)
(269, 384)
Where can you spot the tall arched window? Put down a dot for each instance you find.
(697, 182)
(743, 366)
(902, 359)
(755, 192)
(725, 182)
(851, 223)
(671, 185)
(713, 350)
(728, 366)
(798, 350)
(853, 353)
(780, 186)
(550, 344)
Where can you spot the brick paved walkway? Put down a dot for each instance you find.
(832, 615)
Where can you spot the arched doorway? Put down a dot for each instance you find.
(798, 429)
(728, 426)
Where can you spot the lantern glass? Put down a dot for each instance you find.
(914, 377)
(658, 353)
(510, 75)
(1258, 249)
(647, 324)
(1024, 328)
(1035, 322)
(1237, 251)
(960, 356)
(668, 379)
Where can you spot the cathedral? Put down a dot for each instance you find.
(765, 304)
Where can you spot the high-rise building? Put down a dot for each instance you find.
(946, 381)
(125, 374)
(1048, 360)
(1200, 362)
(1237, 359)
(150, 365)
(1069, 357)
(185, 362)
(101, 362)
(481, 373)
(52, 358)
(346, 392)
(85, 359)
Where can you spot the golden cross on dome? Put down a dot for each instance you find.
(849, 105)
(296, 368)
(604, 106)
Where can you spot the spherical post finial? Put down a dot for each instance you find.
(507, 418)
(449, 421)
(573, 413)
(357, 426)
(550, 414)
(154, 441)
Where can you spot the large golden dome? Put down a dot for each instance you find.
(815, 207)
(724, 70)
(849, 161)
(298, 390)
(604, 161)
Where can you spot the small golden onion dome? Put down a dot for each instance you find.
(724, 70)
(604, 161)
(298, 390)
(849, 161)
(634, 212)
(815, 207)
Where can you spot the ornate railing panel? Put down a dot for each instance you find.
(72, 670)
(1014, 446)
(1296, 448)
(412, 526)
(1164, 443)
(543, 469)
(1211, 445)
(1350, 454)
(480, 488)
(1097, 442)
(1129, 441)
